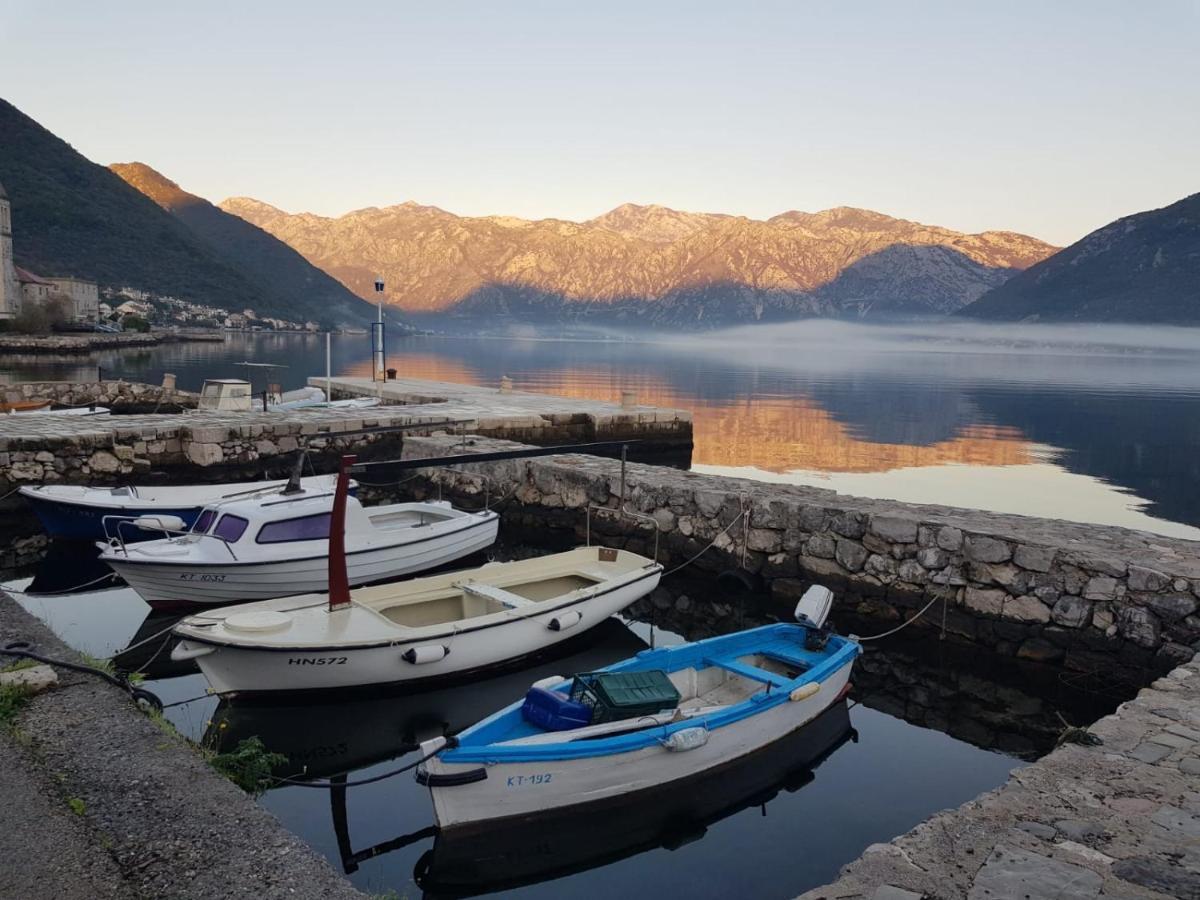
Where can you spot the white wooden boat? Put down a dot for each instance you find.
(78, 511)
(278, 545)
(427, 628)
(735, 694)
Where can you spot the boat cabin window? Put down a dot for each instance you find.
(204, 521)
(230, 528)
(304, 528)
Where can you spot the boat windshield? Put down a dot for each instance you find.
(230, 528)
(204, 521)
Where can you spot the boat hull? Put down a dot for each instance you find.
(74, 521)
(168, 585)
(519, 851)
(230, 669)
(491, 792)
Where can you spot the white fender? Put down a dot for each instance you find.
(686, 739)
(804, 691)
(426, 654)
(566, 620)
(548, 682)
(160, 523)
(182, 651)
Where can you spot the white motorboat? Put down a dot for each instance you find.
(278, 545)
(79, 511)
(427, 628)
(662, 716)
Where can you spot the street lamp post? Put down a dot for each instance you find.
(379, 353)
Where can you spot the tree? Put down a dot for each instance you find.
(135, 323)
(40, 317)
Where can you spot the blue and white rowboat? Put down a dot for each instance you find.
(738, 693)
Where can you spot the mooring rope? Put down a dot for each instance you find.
(12, 590)
(709, 546)
(904, 625)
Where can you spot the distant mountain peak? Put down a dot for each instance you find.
(654, 223)
(162, 190)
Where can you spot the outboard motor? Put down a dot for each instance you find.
(811, 612)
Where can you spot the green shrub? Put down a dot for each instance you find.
(248, 765)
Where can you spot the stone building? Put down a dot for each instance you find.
(34, 288)
(10, 288)
(19, 286)
(83, 294)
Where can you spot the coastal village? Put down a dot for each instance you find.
(90, 307)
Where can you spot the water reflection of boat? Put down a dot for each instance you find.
(540, 847)
(71, 567)
(357, 732)
(148, 651)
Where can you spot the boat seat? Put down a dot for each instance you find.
(752, 672)
(491, 592)
(593, 574)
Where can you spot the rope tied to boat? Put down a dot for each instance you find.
(107, 576)
(140, 696)
(903, 625)
(451, 742)
(711, 544)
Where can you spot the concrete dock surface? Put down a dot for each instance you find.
(96, 801)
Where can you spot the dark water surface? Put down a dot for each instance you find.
(1090, 423)
(930, 726)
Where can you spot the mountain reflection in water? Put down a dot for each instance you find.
(1091, 423)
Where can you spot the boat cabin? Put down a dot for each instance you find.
(225, 395)
(305, 516)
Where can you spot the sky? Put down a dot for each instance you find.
(1046, 118)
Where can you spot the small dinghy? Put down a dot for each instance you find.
(277, 545)
(428, 628)
(78, 512)
(662, 716)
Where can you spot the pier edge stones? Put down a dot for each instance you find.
(1058, 591)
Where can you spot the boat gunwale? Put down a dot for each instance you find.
(52, 493)
(760, 702)
(504, 617)
(463, 524)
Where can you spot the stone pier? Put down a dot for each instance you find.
(201, 446)
(663, 434)
(1085, 596)
(1117, 819)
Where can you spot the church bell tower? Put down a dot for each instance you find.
(10, 288)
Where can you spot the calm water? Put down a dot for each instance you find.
(1094, 423)
(928, 731)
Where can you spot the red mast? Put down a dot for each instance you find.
(339, 583)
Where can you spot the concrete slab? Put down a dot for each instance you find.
(1014, 874)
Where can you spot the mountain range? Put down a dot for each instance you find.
(650, 265)
(71, 216)
(1140, 268)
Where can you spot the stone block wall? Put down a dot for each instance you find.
(1046, 590)
(116, 395)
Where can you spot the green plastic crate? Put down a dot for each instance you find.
(613, 696)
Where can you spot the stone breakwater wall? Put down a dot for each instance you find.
(116, 395)
(187, 448)
(663, 435)
(85, 343)
(1046, 590)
